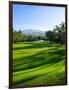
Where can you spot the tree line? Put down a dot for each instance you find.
(56, 35)
(18, 36)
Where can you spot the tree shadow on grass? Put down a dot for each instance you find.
(44, 57)
(24, 81)
(37, 45)
(27, 79)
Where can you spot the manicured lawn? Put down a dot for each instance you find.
(38, 63)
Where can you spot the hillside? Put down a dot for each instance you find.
(34, 32)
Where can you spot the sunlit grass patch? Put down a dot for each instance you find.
(38, 63)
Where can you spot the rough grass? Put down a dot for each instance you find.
(38, 63)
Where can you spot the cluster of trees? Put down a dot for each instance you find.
(57, 35)
(18, 36)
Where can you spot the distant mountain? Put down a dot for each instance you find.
(33, 32)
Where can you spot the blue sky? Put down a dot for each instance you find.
(37, 17)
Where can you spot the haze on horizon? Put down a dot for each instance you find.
(41, 18)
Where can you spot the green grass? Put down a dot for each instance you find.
(38, 63)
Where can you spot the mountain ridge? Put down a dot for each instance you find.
(34, 32)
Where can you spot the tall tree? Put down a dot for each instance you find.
(58, 34)
(49, 35)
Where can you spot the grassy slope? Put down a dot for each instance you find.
(37, 63)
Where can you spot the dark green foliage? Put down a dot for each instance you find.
(57, 35)
(18, 36)
(50, 35)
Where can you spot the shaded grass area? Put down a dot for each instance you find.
(38, 63)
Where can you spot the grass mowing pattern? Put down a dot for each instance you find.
(38, 63)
